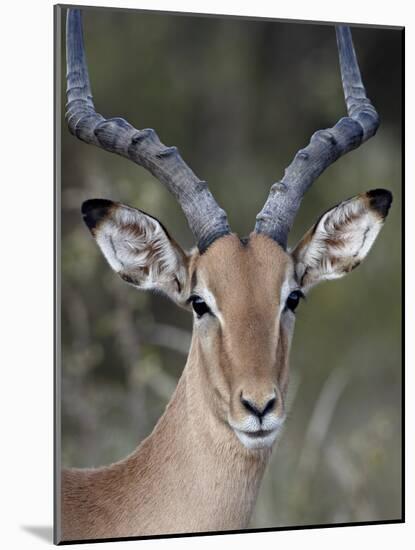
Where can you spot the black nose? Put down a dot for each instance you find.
(255, 409)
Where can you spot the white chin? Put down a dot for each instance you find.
(255, 440)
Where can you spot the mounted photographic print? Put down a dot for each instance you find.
(211, 172)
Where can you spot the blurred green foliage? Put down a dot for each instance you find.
(239, 97)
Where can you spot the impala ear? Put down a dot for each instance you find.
(341, 238)
(137, 247)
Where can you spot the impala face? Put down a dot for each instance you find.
(243, 293)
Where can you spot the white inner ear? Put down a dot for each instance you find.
(135, 245)
(340, 241)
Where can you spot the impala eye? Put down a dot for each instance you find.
(293, 299)
(200, 306)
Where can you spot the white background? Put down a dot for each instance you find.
(26, 359)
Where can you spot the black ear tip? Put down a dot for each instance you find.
(95, 210)
(92, 204)
(380, 200)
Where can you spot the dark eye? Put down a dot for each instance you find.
(199, 305)
(293, 299)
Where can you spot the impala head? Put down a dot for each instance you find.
(243, 292)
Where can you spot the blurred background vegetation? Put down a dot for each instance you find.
(239, 97)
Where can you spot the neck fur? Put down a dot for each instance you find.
(193, 465)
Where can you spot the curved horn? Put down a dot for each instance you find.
(206, 219)
(326, 146)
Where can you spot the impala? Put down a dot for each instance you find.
(201, 467)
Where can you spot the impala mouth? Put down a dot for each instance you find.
(254, 433)
(259, 439)
(259, 433)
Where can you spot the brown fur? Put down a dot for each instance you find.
(192, 473)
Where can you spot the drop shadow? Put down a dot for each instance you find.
(44, 532)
